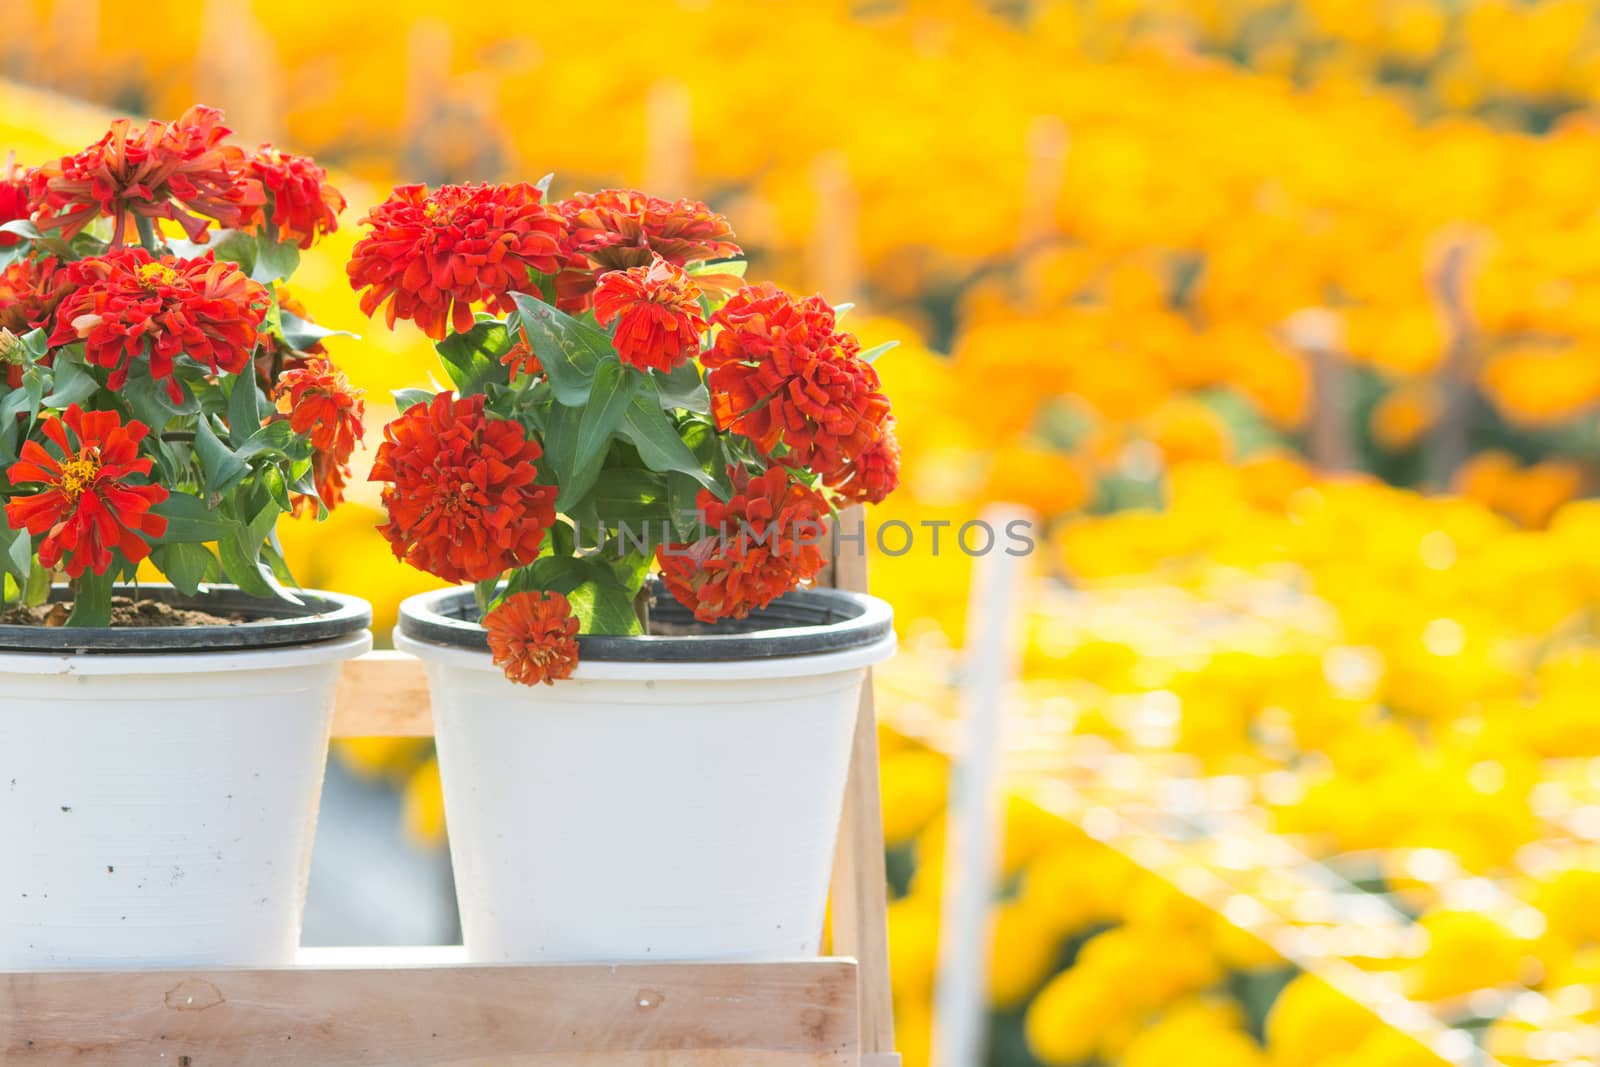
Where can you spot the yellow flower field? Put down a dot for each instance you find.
(1283, 318)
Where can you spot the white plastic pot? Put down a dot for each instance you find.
(652, 807)
(157, 809)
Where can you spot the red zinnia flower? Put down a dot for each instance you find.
(521, 359)
(758, 546)
(324, 405)
(128, 304)
(875, 473)
(780, 371)
(30, 289)
(433, 255)
(462, 500)
(657, 308)
(618, 229)
(303, 205)
(150, 173)
(534, 636)
(87, 507)
(15, 203)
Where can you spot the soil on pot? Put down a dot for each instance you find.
(125, 613)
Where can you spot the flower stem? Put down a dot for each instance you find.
(147, 234)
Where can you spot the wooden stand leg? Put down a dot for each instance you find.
(860, 910)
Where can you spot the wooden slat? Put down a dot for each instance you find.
(383, 694)
(860, 910)
(634, 1015)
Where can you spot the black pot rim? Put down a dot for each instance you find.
(804, 622)
(322, 616)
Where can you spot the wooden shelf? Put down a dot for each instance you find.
(427, 1007)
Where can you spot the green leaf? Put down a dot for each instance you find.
(74, 384)
(38, 590)
(190, 520)
(543, 185)
(303, 333)
(409, 398)
(184, 564)
(735, 267)
(241, 554)
(683, 389)
(16, 553)
(656, 437)
(275, 260)
(244, 409)
(231, 246)
(223, 468)
(613, 390)
(472, 359)
(603, 606)
(683, 506)
(22, 228)
(871, 355)
(272, 439)
(574, 473)
(91, 600)
(635, 497)
(569, 350)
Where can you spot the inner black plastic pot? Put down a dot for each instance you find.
(321, 616)
(804, 622)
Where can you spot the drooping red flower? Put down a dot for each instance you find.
(534, 637)
(461, 495)
(759, 545)
(30, 289)
(15, 203)
(781, 372)
(127, 304)
(88, 503)
(618, 229)
(521, 359)
(432, 256)
(323, 404)
(300, 202)
(875, 473)
(658, 313)
(169, 170)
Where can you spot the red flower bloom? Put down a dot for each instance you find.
(128, 304)
(87, 507)
(30, 289)
(520, 358)
(433, 255)
(875, 473)
(618, 229)
(758, 546)
(462, 501)
(15, 203)
(657, 308)
(151, 174)
(534, 637)
(303, 205)
(324, 405)
(781, 372)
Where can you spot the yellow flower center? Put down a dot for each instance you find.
(77, 475)
(152, 274)
(434, 211)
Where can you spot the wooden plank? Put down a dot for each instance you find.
(629, 1015)
(383, 694)
(859, 887)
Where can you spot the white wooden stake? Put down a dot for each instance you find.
(972, 831)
